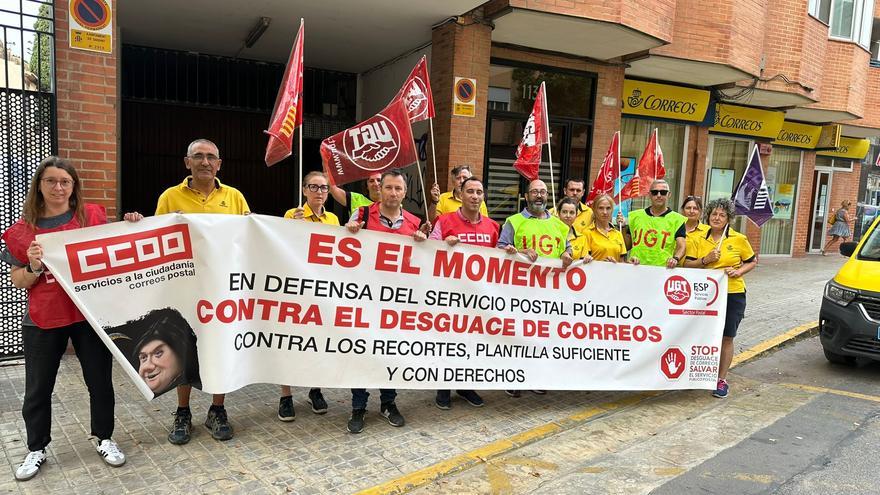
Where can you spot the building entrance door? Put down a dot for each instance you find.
(819, 210)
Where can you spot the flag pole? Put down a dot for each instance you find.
(549, 143)
(620, 185)
(433, 154)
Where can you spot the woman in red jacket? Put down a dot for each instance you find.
(54, 203)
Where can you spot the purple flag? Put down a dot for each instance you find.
(752, 198)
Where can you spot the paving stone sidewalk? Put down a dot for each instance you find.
(315, 454)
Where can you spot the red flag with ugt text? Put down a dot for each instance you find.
(650, 168)
(416, 93)
(609, 172)
(535, 135)
(382, 142)
(287, 114)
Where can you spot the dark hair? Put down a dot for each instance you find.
(35, 203)
(471, 178)
(567, 201)
(169, 326)
(567, 181)
(696, 199)
(724, 204)
(457, 170)
(392, 173)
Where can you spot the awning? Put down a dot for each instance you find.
(798, 135)
(747, 121)
(855, 149)
(664, 101)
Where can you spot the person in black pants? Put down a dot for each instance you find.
(54, 203)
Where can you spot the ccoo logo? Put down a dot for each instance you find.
(415, 100)
(677, 290)
(373, 144)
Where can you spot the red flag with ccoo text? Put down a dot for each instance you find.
(287, 114)
(536, 134)
(382, 142)
(416, 93)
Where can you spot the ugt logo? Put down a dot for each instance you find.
(677, 290)
(415, 99)
(672, 363)
(635, 99)
(373, 144)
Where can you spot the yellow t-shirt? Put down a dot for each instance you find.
(600, 245)
(309, 215)
(448, 204)
(582, 221)
(698, 232)
(183, 198)
(735, 250)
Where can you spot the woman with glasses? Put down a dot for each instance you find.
(316, 187)
(54, 203)
(723, 248)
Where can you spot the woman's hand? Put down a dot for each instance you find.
(713, 256)
(133, 217)
(35, 256)
(732, 272)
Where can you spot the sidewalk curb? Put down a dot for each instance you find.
(464, 461)
(797, 333)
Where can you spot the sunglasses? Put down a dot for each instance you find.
(661, 192)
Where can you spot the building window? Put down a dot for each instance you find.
(783, 177)
(728, 158)
(634, 134)
(841, 164)
(848, 19)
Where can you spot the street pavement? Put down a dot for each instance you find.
(315, 454)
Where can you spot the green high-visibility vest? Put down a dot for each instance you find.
(653, 238)
(546, 236)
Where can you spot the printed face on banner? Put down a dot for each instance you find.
(415, 99)
(529, 132)
(372, 145)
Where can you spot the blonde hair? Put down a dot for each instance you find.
(604, 197)
(845, 203)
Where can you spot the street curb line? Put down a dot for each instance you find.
(762, 348)
(833, 391)
(467, 460)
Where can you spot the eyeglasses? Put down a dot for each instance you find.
(315, 187)
(201, 156)
(661, 192)
(64, 183)
(538, 192)
(693, 198)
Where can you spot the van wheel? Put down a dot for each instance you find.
(835, 358)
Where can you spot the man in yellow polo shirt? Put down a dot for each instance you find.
(201, 192)
(450, 202)
(574, 189)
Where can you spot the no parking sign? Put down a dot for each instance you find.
(464, 103)
(91, 25)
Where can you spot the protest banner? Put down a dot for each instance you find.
(223, 301)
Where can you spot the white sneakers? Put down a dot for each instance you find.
(110, 452)
(31, 465)
(108, 449)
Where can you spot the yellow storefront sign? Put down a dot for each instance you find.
(830, 137)
(855, 149)
(746, 121)
(798, 135)
(664, 101)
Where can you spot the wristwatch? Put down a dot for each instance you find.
(677, 260)
(30, 269)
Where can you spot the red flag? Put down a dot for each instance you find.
(382, 142)
(610, 171)
(416, 93)
(536, 134)
(287, 114)
(650, 169)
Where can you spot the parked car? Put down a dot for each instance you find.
(849, 320)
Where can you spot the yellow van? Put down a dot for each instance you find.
(849, 321)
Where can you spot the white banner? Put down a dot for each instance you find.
(223, 301)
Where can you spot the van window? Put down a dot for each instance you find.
(871, 248)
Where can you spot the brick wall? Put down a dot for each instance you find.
(727, 32)
(86, 91)
(804, 205)
(844, 77)
(459, 50)
(872, 100)
(653, 17)
(794, 47)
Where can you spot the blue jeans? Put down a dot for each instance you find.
(359, 397)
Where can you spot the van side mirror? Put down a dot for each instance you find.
(848, 248)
